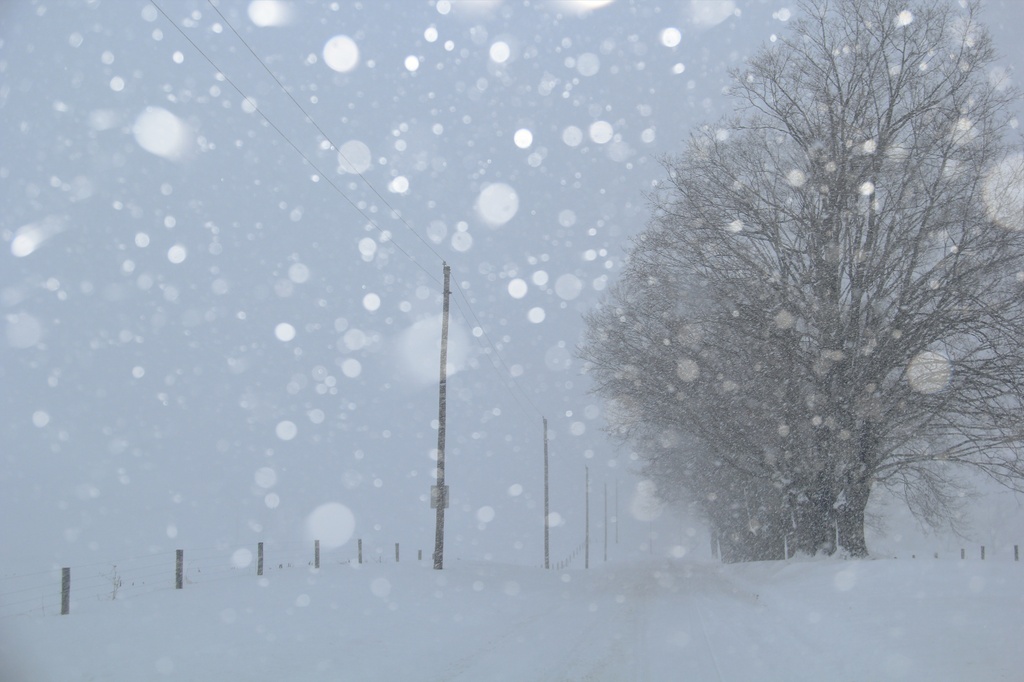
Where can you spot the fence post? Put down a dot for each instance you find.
(396, 552)
(65, 591)
(259, 559)
(420, 556)
(179, 569)
(360, 544)
(316, 554)
(1016, 552)
(983, 552)
(963, 553)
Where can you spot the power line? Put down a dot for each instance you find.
(309, 117)
(496, 354)
(386, 234)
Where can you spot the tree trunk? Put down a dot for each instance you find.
(850, 517)
(815, 530)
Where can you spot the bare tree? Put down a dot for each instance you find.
(830, 293)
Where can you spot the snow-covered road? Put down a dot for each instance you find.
(668, 620)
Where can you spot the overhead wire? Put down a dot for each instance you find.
(309, 117)
(386, 234)
(395, 212)
(496, 354)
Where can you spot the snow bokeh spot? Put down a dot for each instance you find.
(1003, 192)
(517, 288)
(286, 430)
(670, 37)
(784, 319)
(523, 138)
(265, 477)
(23, 330)
(264, 13)
(341, 54)
(568, 287)
(177, 254)
(423, 340)
(572, 136)
(351, 368)
(687, 370)
(929, 372)
(536, 315)
(298, 273)
(160, 132)
(462, 241)
(437, 231)
(332, 524)
(497, 204)
(579, 7)
(354, 157)
(28, 238)
(380, 587)
(284, 332)
(371, 302)
(500, 52)
(241, 558)
(399, 185)
(796, 178)
(708, 13)
(588, 64)
(367, 248)
(601, 132)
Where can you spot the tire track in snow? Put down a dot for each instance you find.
(707, 641)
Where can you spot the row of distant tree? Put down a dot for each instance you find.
(829, 296)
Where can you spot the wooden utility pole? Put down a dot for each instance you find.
(586, 542)
(440, 498)
(616, 511)
(547, 511)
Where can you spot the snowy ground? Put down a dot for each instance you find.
(922, 619)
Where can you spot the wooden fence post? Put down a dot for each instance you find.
(360, 544)
(179, 569)
(396, 552)
(420, 555)
(963, 553)
(65, 591)
(1016, 552)
(316, 554)
(983, 552)
(259, 559)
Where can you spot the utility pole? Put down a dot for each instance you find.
(586, 542)
(547, 523)
(440, 496)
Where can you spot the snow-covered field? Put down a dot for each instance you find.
(908, 619)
